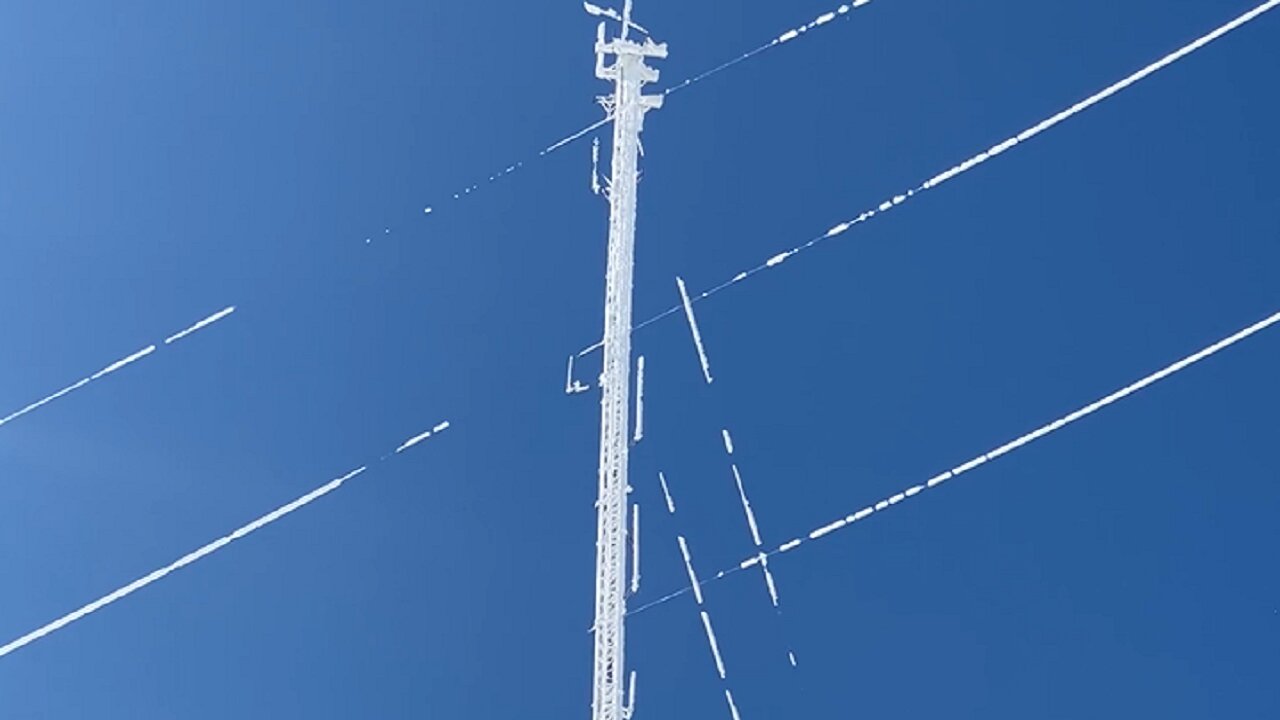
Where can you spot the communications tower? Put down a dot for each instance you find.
(628, 105)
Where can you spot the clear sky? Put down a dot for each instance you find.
(161, 160)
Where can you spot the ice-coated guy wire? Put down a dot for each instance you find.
(969, 164)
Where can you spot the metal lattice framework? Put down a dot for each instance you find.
(629, 74)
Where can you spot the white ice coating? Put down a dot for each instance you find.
(828, 529)
(595, 166)
(44, 401)
(508, 170)
(733, 707)
(746, 507)
(639, 429)
(937, 480)
(711, 640)
(635, 548)
(768, 579)
(1036, 434)
(666, 494)
(115, 366)
(819, 21)
(187, 559)
(752, 525)
(702, 612)
(968, 466)
(688, 566)
(1047, 428)
(122, 363)
(782, 38)
(978, 159)
(791, 657)
(693, 327)
(570, 138)
(178, 564)
(573, 137)
(790, 545)
(421, 437)
(200, 325)
(572, 386)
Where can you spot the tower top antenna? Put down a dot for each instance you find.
(624, 18)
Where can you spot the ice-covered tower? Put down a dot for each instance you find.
(629, 75)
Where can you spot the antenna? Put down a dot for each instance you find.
(629, 74)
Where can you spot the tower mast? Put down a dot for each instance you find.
(629, 74)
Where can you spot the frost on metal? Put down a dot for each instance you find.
(1022, 441)
(639, 429)
(178, 564)
(595, 166)
(635, 548)
(421, 437)
(116, 366)
(666, 494)
(979, 159)
(571, 384)
(688, 568)
(715, 645)
(1026, 439)
(712, 642)
(693, 328)
(629, 74)
(202, 552)
(785, 37)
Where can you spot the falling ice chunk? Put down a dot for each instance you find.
(693, 327)
(715, 646)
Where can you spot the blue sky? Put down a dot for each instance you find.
(161, 161)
